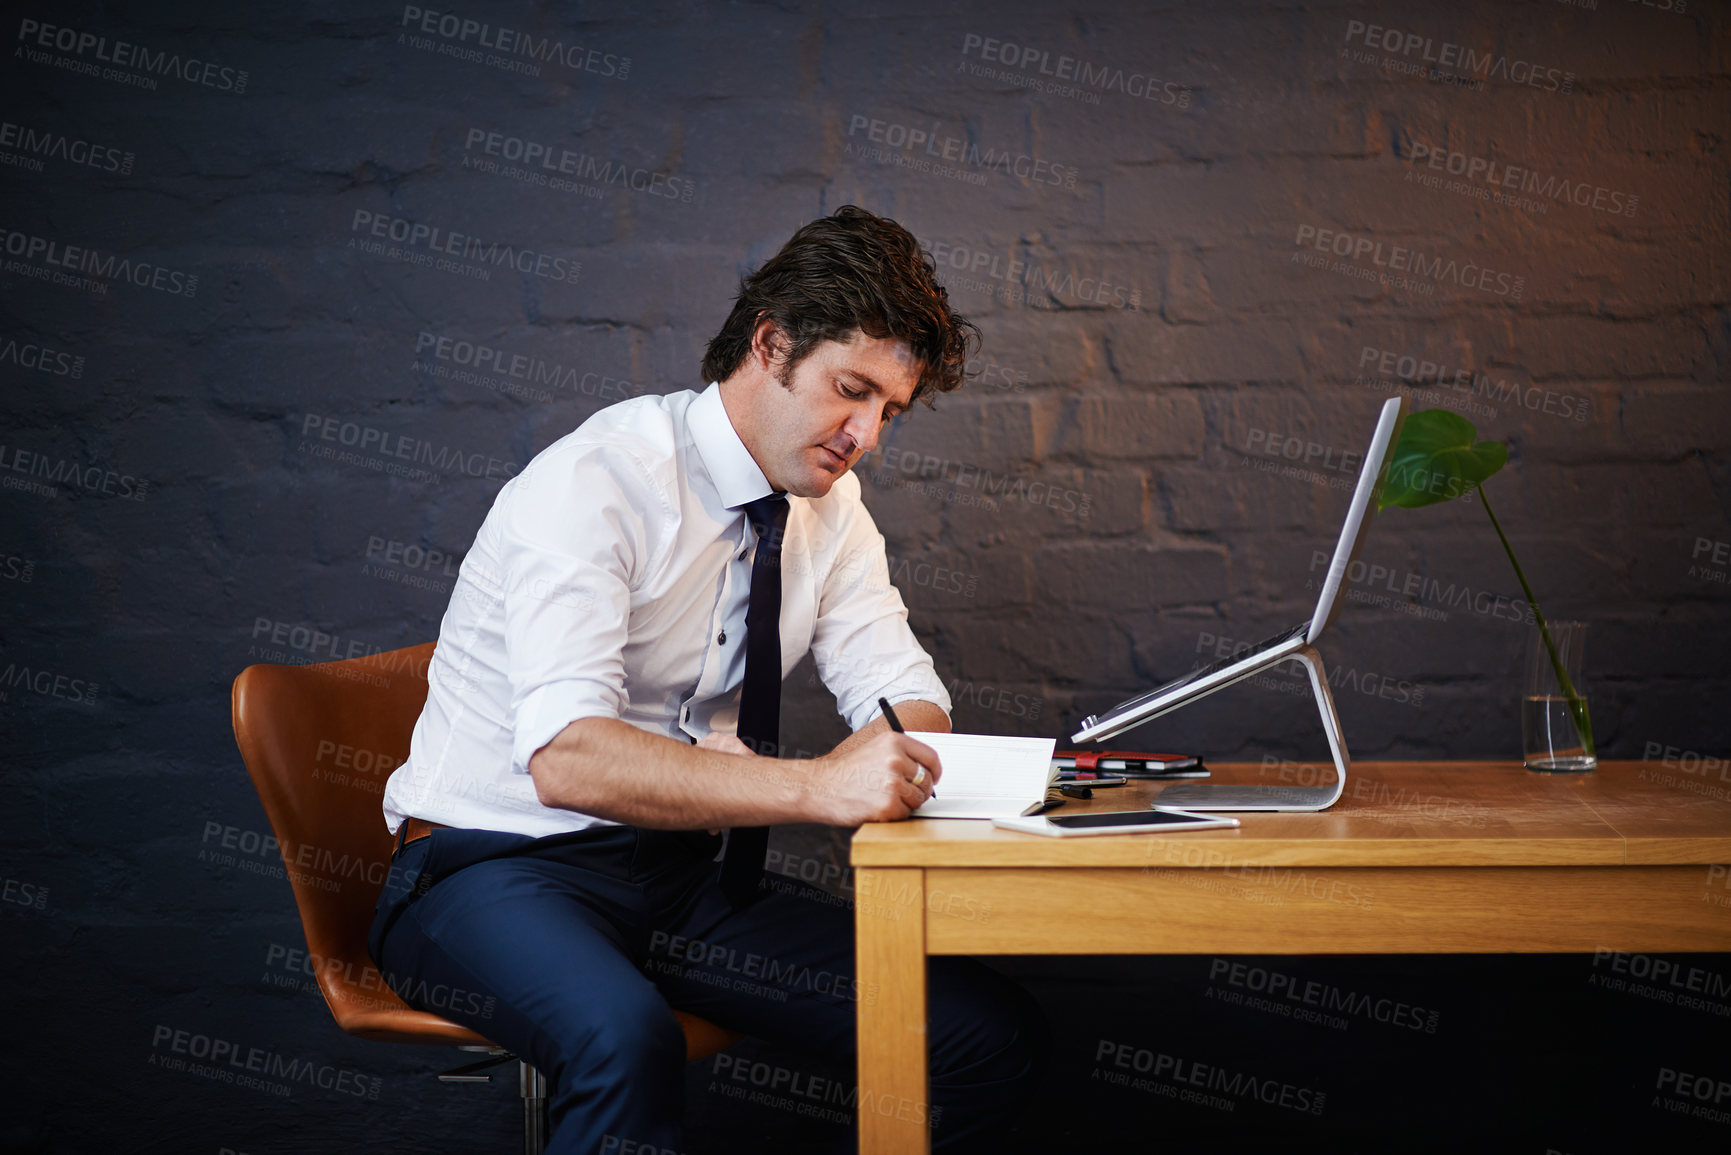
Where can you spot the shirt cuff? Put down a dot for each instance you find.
(906, 689)
(548, 710)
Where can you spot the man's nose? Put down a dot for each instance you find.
(864, 429)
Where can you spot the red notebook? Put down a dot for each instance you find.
(1130, 763)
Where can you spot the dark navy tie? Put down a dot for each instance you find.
(760, 693)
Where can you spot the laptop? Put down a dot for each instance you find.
(1294, 644)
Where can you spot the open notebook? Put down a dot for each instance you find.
(988, 776)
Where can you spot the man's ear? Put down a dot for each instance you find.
(768, 344)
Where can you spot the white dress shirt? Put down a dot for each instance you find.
(610, 580)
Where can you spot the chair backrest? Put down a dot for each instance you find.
(319, 742)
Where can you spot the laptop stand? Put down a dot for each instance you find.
(1209, 796)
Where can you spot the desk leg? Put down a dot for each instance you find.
(890, 938)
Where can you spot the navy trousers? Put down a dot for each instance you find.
(572, 950)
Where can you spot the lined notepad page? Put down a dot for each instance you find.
(987, 775)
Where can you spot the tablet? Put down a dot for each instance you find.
(1159, 820)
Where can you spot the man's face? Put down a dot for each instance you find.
(830, 409)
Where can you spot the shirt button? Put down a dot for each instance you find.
(721, 638)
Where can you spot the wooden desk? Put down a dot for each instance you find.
(1417, 857)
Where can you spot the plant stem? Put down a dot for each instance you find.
(1577, 704)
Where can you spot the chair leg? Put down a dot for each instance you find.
(471, 1072)
(534, 1086)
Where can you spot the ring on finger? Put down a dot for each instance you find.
(920, 776)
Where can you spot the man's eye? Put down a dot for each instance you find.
(851, 394)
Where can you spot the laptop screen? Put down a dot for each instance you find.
(1370, 479)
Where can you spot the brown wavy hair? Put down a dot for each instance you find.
(850, 270)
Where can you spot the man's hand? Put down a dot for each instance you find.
(611, 769)
(881, 780)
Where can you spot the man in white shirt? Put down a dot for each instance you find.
(624, 619)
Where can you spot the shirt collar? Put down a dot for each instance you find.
(737, 478)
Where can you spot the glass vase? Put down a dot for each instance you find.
(1556, 728)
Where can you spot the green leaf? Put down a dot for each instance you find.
(1437, 459)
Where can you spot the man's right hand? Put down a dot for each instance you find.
(883, 780)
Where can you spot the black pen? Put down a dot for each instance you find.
(896, 725)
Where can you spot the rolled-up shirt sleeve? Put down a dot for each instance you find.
(862, 644)
(568, 571)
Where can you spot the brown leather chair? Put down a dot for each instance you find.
(319, 742)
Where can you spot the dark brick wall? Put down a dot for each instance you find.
(1104, 505)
